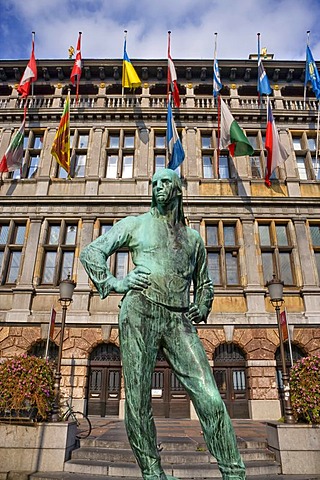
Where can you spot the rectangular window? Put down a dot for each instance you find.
(207, 163)
(32, 148)
(12, 239)
(302, 168)
(258, 159)
(256, 167)
(315, 240)
(224, 169)
(159, 151)
(59, 252)
(122, 264)
(120, 154)
(223, 253)
(79, 143)
(276, 252)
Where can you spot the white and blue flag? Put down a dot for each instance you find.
(174, 145)
(217, 85)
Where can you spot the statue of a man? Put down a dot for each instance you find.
(156, 312)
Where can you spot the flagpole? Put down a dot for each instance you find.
(168, 74)
(78, 79)
(48, 336)
(259, 94)
(305, 83)
(124, 43)
(289, 339)
(33, 34)
(214, 59)
(219, 132)
(317, 142)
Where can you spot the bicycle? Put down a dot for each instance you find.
(84, 426)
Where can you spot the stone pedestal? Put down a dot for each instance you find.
(37, 447)
(297, 447)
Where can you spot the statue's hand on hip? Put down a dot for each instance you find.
(195, 314)
(137, 279)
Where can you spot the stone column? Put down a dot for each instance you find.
(289, 169)
(254, 292)
(93, 162)
(143, 166)
(192, 168)
(48, 165)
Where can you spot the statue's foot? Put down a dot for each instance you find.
(169, 477)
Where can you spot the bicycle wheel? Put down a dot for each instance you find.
(83, 424)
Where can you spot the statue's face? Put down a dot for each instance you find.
(163, 187)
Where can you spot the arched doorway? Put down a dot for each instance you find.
(38, 349)
(230, 374)
(104, 380)
(169, 398)
(294, 356)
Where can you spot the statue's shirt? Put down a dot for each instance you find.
(174, 254)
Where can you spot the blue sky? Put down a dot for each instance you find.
(282, 23)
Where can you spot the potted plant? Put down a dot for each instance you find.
(305, 389)
(26, 388)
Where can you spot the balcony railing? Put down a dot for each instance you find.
(158, 101)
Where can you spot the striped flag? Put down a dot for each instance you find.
(13, 157)
(263, 82)
(277, 153)
(61, 145)
(130, 78)
(174, 145)
(217, 85)
(232, 136)
(77, 68)
(30, 75)
(172, 78)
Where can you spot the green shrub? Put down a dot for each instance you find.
(305, 389)
(26, 382)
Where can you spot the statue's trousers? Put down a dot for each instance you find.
(144, 327)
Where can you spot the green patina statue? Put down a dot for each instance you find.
(156, 312)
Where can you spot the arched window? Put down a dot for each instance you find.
(38, 349)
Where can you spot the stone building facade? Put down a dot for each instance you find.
(250, 231)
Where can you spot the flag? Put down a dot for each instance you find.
(312, 74)
(13, 157)
(130, 78)
(284, 326)
(232, 136)
(30, 75)
(76, 70)
(52, 323)
(277, 153)
(172, 78)
(61, 145)
(217, 85)
(175, 149)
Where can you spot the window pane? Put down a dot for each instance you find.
(83, 140)
(160, 141)
(1, 260)
(206, 141)
(112, 166)
(232, 268)
(282, 235)
(114, 141)
(105, 228)
(229, 235)
(160, 161)
(62, 173)
(264, 234)
(224, 171)
(80, 165)
(267, 265)
(207, 166)
(128, 141)
(67, 265)
(49, 267)
(25, 141)
(285, 268)
(38, 141)
(71, 234)
(311, 143)
(316, 254)
(121, 264)
(296, 143)
(212, 235)
(54, 232)
(127, 167)
(256, 171)
(4, 231)
(19, 234)
(33, 166)
(253, 141)
(214, 267)
(315, 235)
(302, 170)
(14, 265)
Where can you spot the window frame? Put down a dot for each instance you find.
(9, 249)
(121, 152)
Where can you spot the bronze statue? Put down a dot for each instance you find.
(156, 312)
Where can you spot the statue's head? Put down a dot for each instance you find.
(167, 189)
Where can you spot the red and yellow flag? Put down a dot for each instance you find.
(61, 145)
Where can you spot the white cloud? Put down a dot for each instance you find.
(282, 23)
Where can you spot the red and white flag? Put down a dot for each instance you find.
(30, 75)
(77, 67)
(277, 153)
(172, 78)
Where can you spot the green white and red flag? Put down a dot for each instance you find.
(232, 136)
(13, 157)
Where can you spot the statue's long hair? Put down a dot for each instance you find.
(178, 187)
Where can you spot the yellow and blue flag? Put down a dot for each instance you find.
(130, 77)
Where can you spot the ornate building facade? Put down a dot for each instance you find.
(250, 231)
